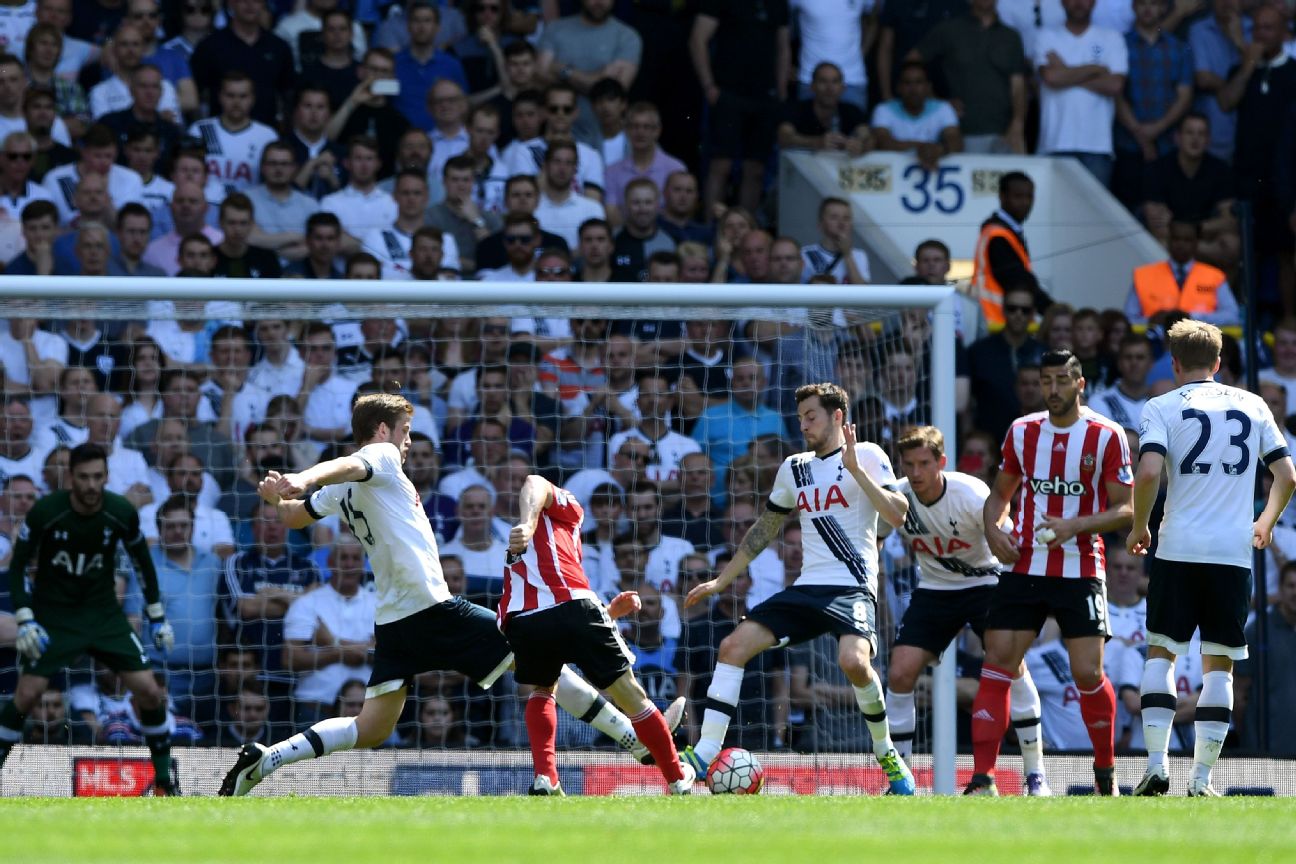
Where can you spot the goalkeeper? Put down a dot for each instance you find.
(72, 607)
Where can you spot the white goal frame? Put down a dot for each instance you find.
(939, 299)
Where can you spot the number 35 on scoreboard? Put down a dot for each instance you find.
(918, 190)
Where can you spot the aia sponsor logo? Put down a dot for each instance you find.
(834, 497)
(1057, 486)
(938, 548)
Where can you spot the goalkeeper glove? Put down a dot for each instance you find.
(159, 628)
(32, 639)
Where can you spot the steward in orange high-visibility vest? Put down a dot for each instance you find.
(1182, 283)
(1001, 259)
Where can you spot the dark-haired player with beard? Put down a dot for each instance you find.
(1072, 469)
(72, 608)
(959, 572)
(839, 487)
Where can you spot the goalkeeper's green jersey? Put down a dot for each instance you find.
(76, 554)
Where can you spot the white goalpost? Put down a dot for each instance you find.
(314, 300)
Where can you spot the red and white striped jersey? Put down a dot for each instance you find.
(1064, 473)
(549, 572)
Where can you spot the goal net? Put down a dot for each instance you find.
(665, 409)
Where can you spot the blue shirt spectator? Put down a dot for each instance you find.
(420, 66)
(725, 431)
(1159, 72)
(1213, 56)
(260, 584)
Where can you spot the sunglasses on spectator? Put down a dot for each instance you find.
(561, 109)
(18, 157)
(195, 8)
(697, 574)
(553, 271)
(517, 239)
(1025, 310)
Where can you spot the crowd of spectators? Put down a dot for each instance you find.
(572, 140)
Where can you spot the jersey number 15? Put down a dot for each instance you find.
(352, 516)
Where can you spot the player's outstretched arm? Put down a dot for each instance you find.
(1280, 493)
(291, 512)
(344, 469)
(753, 543)
(1147, 480)
(890, 505)
(536, 495)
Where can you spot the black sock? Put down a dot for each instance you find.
(11, 726)
(159, 743)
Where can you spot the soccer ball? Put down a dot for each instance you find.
(735, 772)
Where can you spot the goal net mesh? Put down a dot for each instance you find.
(668, 423)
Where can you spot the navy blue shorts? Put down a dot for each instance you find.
(454, 636)
(934, 617)
(804, 612)
(1184, 596)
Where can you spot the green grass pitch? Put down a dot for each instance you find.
(674, 831)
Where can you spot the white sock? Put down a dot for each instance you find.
(1024, 708)
(869, 699)
(1214, 713)
(722, 703)
(903, 720)
(1157, 697)
(325, 737)
(578, 698)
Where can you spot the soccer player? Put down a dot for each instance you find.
(551, 617)
(73, 608)
(841, 487)
(1072, 467)
(419, 626)
(943, 530)
(1208, 437)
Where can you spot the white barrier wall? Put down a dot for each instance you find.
(1083, 243)
(108, 771)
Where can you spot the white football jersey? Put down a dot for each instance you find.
(1061, 724)
(527, 157)
(124, 187)
(1117, 407)
(15, 21)
(947, 536)
(1128, 623)
(662, 567)
(665, 456)
(1212, 437)
(233, 158)
(386, 514)
(391, 246)
(842, 548)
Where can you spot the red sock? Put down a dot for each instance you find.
(542, 731)
(1098, 708)
(990, 715)
(652, 730)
